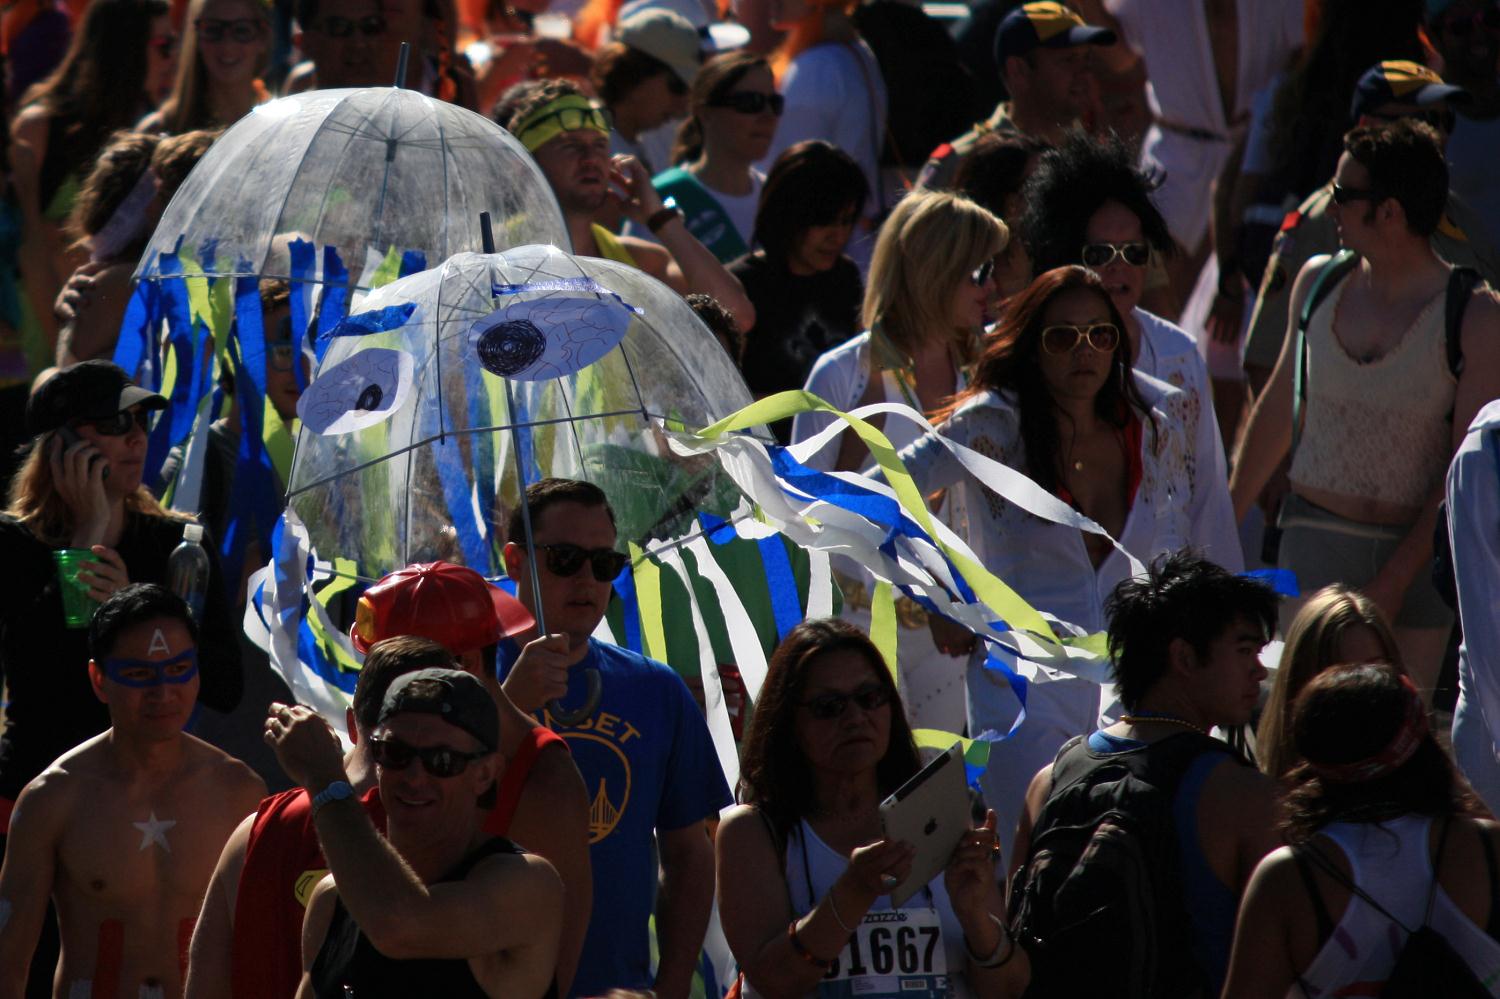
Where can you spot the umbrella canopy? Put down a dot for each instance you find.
(406, 449)
(364, 171)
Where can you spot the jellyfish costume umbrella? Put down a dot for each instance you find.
(335, 192)
(410, 452)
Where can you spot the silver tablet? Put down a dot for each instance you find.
(931, 812)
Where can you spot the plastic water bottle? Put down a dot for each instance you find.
(187, 570)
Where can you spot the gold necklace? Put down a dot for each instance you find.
(1164, 720)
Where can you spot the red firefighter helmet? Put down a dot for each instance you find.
(450, 604)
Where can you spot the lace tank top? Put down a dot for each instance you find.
(1379, 429)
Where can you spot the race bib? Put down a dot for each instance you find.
(893, 954)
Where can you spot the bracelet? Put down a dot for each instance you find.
(993, 959)
(833, 904)
(659, 219)
(803, 952)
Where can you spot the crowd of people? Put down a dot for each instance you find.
(1179, 314)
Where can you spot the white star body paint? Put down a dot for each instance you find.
(154, 831)
(5, 910)
(159, 644)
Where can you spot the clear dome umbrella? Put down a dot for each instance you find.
(444, 388)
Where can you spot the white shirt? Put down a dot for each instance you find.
(1047, 564)
(1169, 355)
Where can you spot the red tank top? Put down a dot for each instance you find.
(284, 863)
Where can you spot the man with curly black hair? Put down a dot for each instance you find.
(1087, 202)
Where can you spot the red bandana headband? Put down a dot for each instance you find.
(1403, 744)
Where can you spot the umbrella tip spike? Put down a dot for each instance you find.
(401, 65)
(486, 232)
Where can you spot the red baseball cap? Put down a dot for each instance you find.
(450, 604)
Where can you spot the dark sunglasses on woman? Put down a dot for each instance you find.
(826, 707)
(439, 761)
(1097, 255)
(241, 29)
(121, 423)
(750, 102)
(1061, 338)
(566, 560)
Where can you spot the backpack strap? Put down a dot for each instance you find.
(1329, 868)
(1320, 907)
(1328, 278)
(1461, 284)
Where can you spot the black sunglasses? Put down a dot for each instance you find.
(439, 761)
(241, 29)
(121, 423)
(566, 560)
(1061, 338)
(1346, 195)
(1097, 255)
(750, 102)
(336, 26)
(826, 707)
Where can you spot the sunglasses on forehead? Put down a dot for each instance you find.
(439, 761)
(120, 424)
(566, 560)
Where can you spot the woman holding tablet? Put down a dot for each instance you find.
(804, 871)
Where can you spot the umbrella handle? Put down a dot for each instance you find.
(565, 716)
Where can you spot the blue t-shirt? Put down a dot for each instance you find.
(647, 763)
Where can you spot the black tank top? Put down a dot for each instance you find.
(349, 967)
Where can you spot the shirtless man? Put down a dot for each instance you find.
(123, 831)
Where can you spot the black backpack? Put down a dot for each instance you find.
(1427, 965)
(1101, 885)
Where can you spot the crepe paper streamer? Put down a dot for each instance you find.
(542, 339)
(782, 584)
(883, 627)
(630, 616)
(458, 497)
(187, 487)
(335, 303)
(1283, 582)
(648, 599)
(388, 269)
(744, 640)
(976, 751)
(412, 262)
(581, 283)
(362, 390)
(379, 321)
(141, 315)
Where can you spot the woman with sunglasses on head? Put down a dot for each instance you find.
(80, 490)
(734, 107)
(931, 283)
(804, 872)
(1386, 837)
(1053, 396)
(1088, 203)
(226, 46)
(118, 67)
(644, 76)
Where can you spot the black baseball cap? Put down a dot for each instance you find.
(1045, 25)
(88, 390)
(453, 695)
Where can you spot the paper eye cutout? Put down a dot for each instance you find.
(550, 337)
(358, 392)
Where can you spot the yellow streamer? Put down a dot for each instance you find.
(648, 599)
(883, 626)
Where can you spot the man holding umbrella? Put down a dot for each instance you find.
(644, 750)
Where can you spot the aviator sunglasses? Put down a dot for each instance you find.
(566, 560)
(750, 102)
(826, 707)
(1097, 255)
(1061, 338)
(439, 761)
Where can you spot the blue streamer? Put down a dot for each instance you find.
(457, 495)
(303, 266)
(335, 302)
(380, 321)
(584, 284)
(141, 315)
(310, 651)
(254, 504)
(412, 262)
(781, 584)
(1282, 581)
(630, 605)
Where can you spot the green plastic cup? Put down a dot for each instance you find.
(78, 606)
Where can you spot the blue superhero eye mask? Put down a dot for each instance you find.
(153, 672)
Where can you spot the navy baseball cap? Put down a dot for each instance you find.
(1397, 81)
(1045, 25)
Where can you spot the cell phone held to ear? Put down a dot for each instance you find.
(70, 437)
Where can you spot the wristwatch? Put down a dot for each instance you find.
(659, 220)
(337, 791)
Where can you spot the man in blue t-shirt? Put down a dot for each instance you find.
(643, 748)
